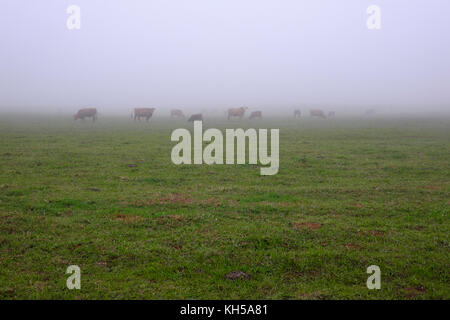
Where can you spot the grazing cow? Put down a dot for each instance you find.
(86, 113)
(317, 113)
(331, 114)
(297, 113)
(146, 113)
(176, 113)
(196, 117)
(236, 112)
(255, 114)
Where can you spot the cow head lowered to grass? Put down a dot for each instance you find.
(86, 113)
(146, 113)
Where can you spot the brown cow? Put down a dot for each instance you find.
(317, 113)
(256, 114)
(146, 113)
(86, 113)
(196, 117)
(176, 113)
(236, 112)
(297, 113)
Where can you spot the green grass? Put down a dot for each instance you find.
(350, 193)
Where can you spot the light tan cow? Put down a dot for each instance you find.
(176, 113)
(317, 113)
(86, 113)
(236, 112)
(146, 113)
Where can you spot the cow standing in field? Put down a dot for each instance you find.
(146, 113)
(86, 113)
(195, 117)
(176, 113)
(317, 113)
(331, 114)
(236, 112)
(255, 114)
(297, 113)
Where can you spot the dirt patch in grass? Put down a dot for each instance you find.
(172, 220)
(307, 225)
(211, 202)
(127, 218)
(413, 292)
(353, 246)
(237, 275)
(292, 275)
(172, 217)
(177, 245)
(40, 285)
(432, 187)
(74, 246)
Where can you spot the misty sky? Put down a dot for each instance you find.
(209, 53)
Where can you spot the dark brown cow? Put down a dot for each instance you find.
(196, 117)
(297, 113)
(255, 114)
(86, 113)
(317, 113)
(236, 112)
(176, 113)
(331, 114)
(146, 113)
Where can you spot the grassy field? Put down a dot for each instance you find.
(350, 193)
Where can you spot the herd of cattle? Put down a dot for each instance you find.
(147, 113)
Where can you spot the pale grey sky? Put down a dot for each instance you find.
(212, 53)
